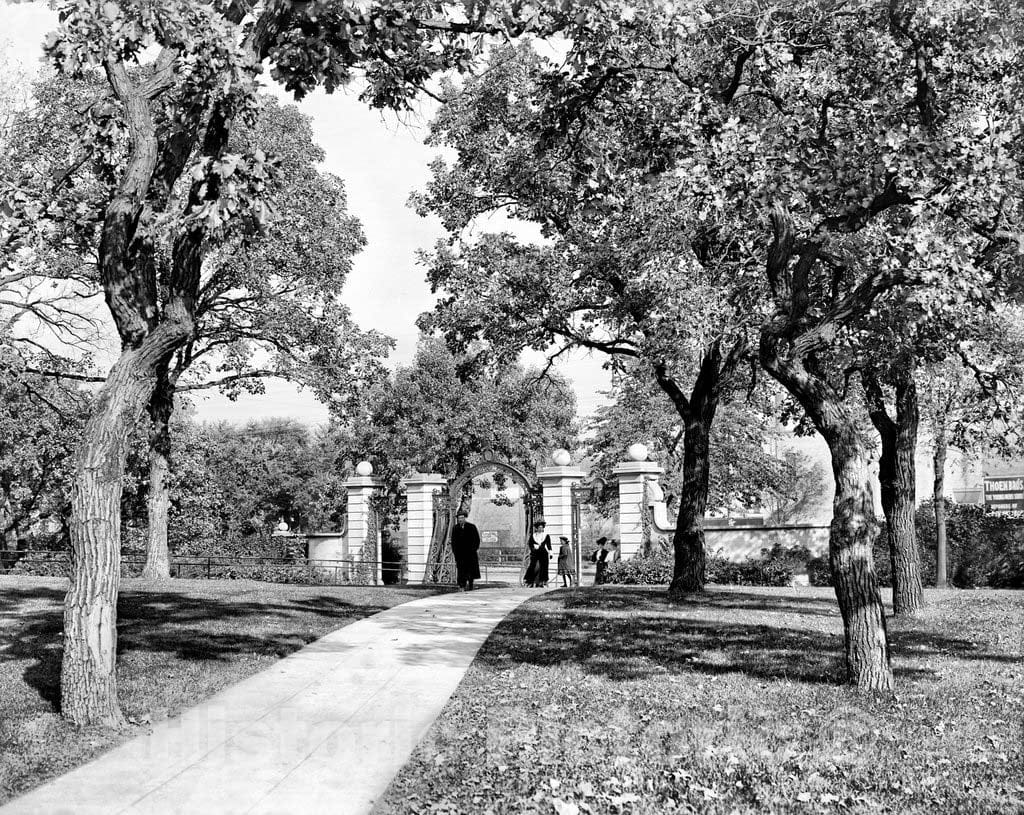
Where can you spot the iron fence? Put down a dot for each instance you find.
(497, 565)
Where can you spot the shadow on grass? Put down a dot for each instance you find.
(189, 626)
(629, 633)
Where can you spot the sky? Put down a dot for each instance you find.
(382, 159)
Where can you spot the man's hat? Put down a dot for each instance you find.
(462, 514)
(602, 541)
(563, 538)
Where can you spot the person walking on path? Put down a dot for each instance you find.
(465, 543)
(565, 569)
(539, 544)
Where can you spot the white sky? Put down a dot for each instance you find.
(381, 159)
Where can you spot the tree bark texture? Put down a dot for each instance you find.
(158, 501)
(897, 476)
(688, 538)
(853, 529)
(88, 680)
(151, 328)
(939, 504)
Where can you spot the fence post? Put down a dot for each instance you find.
(208, 568)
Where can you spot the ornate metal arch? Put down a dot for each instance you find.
(441, 564)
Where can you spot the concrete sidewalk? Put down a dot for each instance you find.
(323, 730)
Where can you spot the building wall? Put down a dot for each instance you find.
(739, 543)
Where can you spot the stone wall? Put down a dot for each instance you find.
(739, 543)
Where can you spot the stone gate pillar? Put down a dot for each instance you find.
(631, 476)
(361, 487)
(419, 521)
(557, 483)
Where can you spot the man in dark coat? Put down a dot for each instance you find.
(465, 542)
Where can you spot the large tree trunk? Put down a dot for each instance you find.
(88, 682)
(688, 539)
(853, 528)
(897, 476)
(851, 539)
(939, 505)
(161, 406)
(698, 414)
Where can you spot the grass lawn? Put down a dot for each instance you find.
(179, 642)
(607, 700)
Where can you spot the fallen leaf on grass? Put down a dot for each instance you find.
(565, 807)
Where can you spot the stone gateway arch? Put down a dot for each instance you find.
(507, 485)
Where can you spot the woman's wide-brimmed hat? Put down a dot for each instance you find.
(563, 538)
(539, 522)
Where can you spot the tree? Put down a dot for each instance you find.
(442, 412)
(40, 422)
(906, 225)
(742, 470)
(880, 144)
(47, 305)
(622, 271)
(798, 490)
(161, 131)
(270, 304)
(971, 401)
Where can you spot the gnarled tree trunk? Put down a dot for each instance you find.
(854, 528)
(897, 476)
(158, 501)
(88, 681)
(939, 506)
(851, 538)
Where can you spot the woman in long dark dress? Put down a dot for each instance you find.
(539, 545)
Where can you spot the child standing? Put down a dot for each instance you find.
(565, 564)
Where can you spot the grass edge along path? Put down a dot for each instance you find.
(607, 700)
(179, 642)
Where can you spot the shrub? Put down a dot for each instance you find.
(655, 570)
(819, 573)
(982, 549)
(44, 564)
(774, 567)
(766, 570)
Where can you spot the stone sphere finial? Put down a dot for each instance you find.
(364, 468)
(561, 457)
(637, 452)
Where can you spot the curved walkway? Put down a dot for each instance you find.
(323, 730)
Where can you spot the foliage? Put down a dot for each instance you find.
(654, 570)
(984, 549)
(799, 490)
(232, 485)
(774, 567)
(442, 412)
(767, 570)
(741, 471)
(271, 304)
(40, 424)
(970, 401)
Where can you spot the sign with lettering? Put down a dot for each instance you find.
(1004, 494)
